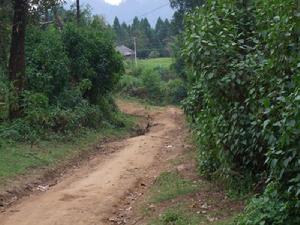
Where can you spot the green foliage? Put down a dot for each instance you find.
(163, 63)
(17, 158)
(177, 216)
(182, 7)
(222, 78)
(151, 42)
(175, 91)
(4, 92)
(269, 209)
(243, 99)
(129, 84)
(47, 62)
(93, 57)
(154, 54)
(5, 18)
(153, 81)
(70, 76)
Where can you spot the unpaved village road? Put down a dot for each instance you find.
(87, 195)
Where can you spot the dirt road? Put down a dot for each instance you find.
(88, 195)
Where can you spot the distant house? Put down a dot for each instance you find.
(125, 51)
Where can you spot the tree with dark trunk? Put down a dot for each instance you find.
(5, 18)
(17, 56)
(78, 11)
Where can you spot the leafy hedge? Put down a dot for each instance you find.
(244, 100)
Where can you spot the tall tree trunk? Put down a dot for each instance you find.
(5, 18)
(17, 56)
(58, 21)
(2, 49)
(46, 15)
(78, 11)
(298, 22)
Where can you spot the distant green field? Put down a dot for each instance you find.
(157, 62)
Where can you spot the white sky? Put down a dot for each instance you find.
(114, 2)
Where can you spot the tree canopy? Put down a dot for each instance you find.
(148, 39)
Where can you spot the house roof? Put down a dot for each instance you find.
(125, 51)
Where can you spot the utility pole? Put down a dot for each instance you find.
(135, 56)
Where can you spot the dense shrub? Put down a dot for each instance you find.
(44, 121)
(243, 100)
(154, 54)
(270, 208)
(174, 91)
(47, 62)
(70, 75)
(152, 83)
(218, 100)
(93, 57)
(166, 74)
(129, 84)
(157, 85)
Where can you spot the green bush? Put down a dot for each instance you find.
(269, 208)
(70, 75)
(154, 54)
(156, 84)
(152, 83)
(175, 91)
(128, 84)
(93, 57)
(43, 121)
(223, 67)
(166, 73)
(243, 101)
(47, 62)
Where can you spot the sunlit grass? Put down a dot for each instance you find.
(164, 63)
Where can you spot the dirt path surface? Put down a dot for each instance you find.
(90, 194)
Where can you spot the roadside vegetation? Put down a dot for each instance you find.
(240, 62)
(153, 81)
(180, 197)
(235, 71)
(21, 158)
(61, 96)
(243, 102)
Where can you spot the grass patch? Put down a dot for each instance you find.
(228, 221)
(143, 102)
(179, 198)
(151, 64)
(17, 158)
(177, 216)
(187, 157)
(170, 185)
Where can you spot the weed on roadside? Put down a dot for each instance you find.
(177, 216)
(170, 185)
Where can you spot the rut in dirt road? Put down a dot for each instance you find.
(87, 196)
